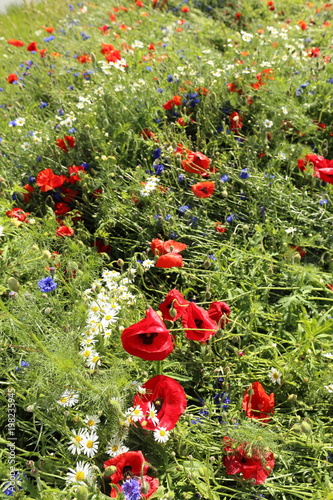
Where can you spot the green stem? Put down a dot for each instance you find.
(159, 368)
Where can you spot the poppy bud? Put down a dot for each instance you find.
(224, 194)
(292, 397)
(13, 284)
(140, 270)
(208, 295)
(109, 471)
(173, 312)
(178, 157)
(306, 427)
(144, 487)
(207, 264)
(82, 493)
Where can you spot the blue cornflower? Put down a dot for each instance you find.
(244, 174)
(170, 78)
(72, 130)
(183, 209)
(39, 158)
(212, 257)
(156, 153)
(194, 220)
(12, 123)
(224, 178)
(303, 85)
(84, 36)
(323, 202)
(24, 364)
(330, 80)
(149, 68)
(12, 486)
(160, 91)
(47, 284)
(43, 105)
(167, 217)
(49, 38)
(298, 92)
(230, 218)
(174, 236)
(181, 178)
(131, 489)
(60, 112)
(158, 169)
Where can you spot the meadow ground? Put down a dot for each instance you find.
(166, 250)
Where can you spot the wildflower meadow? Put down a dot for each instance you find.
(166, 250)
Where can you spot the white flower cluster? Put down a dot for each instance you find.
(106, 298)
(136, 414)
(150, 186)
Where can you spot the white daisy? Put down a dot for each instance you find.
(275, 376)
(74, 445)
(25, 146)
(328, 355)
(20, 122)
(329, 387)
(90, 444)
(92, 421)
(161, 435)
(152, 414)
(93, 361)
(110, 275)
(135, 413)
(82, 473)
(148, 263)
(268, 123)
(68, 398)
(116, 448)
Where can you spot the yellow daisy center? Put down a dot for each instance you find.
(90, 443)
(79, 476)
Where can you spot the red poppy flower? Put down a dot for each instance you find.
(175, 101)
(16, 43)
(251, 462)
(63, 231)
(219, 228)
(148, 339)
(12, 78)
(85, 58)
(100, 246)
(104, 29)
(218, 312)
(197, 323)
(18, 213)
(61, 208)
(47, 180)
(257, 403)
(196, 163)
(203, 189)
(299, 250)
(173, 300)
(168, 399)
(113, 56)
(32, 47)
(27, 196)
(49, 29)
(67, 142)
(159, 247)
(128, 465)
(42, 53)
(235, 122)
(73, 174)
(68, 195)
(169, 260)
(148, 134)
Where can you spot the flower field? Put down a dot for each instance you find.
(166, 231)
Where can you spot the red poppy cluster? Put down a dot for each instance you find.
(323, 169)
(168, 253)
(131, 464)
(252, 463)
